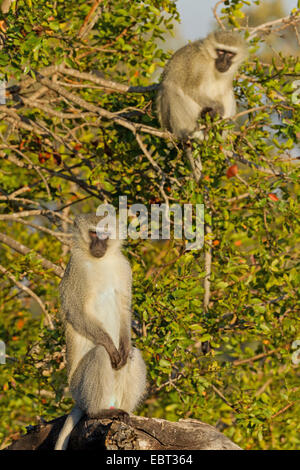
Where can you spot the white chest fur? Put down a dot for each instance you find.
(104, 295)
(221, 91)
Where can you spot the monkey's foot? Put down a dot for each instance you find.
(113, 413)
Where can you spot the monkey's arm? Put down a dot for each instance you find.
(178, 112)
(74, 312)
(124, 348)
(181, 109)
(93, 330)
(212, 108)
(125, 330)
(206, 104)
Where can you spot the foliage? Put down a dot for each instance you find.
(64, 157)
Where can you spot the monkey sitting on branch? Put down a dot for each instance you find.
(107, 377)
(197, 81)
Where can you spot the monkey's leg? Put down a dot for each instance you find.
(92, 384)
(131, 382)
(182, 112)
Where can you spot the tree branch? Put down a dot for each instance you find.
(133, 127)
(24, 250)
(139, 434)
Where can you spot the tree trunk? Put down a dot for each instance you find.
(141, 434)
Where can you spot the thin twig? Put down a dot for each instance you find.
(218, 19)
(29, 292)
(239, 197)
(47, 109)
(207, 266)
(283, 410)
(288, 20)
(220, 394)
(152, 161)
(85, 26)
(20, 200)
(36, 168)
(263, 387)
(254, 358)
(133, 127)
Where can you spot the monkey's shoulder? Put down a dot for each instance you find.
(186, 65)
(187, 52)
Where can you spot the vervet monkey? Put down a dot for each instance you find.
(107, 377)
(198, 81)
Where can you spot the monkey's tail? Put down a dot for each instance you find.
(69, 425)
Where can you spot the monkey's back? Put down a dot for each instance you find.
(182, 78)
(185, 64)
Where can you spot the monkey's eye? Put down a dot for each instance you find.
(98, 235)
(222, 53)
(92, 234)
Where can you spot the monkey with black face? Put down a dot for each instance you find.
(198, 81)
(107, 377)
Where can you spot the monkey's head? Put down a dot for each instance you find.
(228, 49)
(91, 238)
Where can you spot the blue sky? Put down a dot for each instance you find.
(197, 17)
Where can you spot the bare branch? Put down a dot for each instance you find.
(107, 84)
(21, 190)
(133, 127)
(216, 15)
(20, 200)
(62, 237)
(24, 250)
(47, 109)
(242, 159)
(35, 212)
(285, 22)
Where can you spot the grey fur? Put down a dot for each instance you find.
(96, 308)
(192, 82)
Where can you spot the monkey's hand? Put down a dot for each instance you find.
(212, 111)
(115, 358)
(124, 350)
